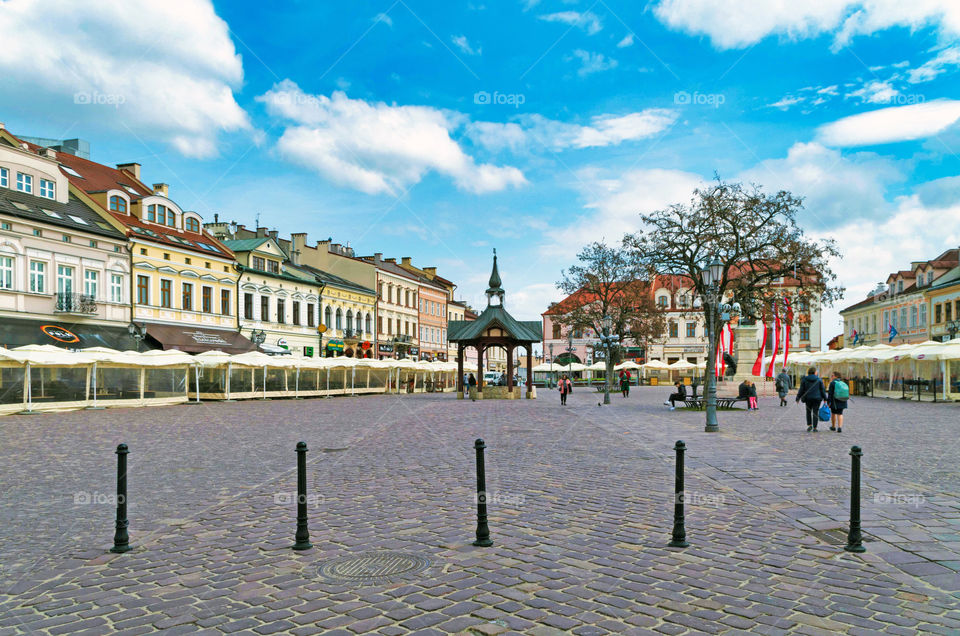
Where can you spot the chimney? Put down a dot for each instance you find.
(2, 126)
(162, 189)
(378, 256)
(295, 256)
(216, 217)
(298, 241)
(406, 260)
(274, 234)
(391, 260)
(261, 232)
(335, 248)
(49, 153)
(431, 271)
(130, 168)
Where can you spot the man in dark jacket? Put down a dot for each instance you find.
(813, 393)
(679, 395)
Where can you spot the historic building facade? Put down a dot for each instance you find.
(397, 314)
(64, 263)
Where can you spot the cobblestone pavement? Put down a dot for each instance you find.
(581, 511)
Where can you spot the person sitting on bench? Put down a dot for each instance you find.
(679, 396)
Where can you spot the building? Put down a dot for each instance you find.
(64, 263)
(397, 309)
(903, 302)
(943, 297)
(684, 337)
(436, 293)
(184, 281)
(279, 305)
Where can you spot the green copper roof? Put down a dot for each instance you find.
(495, 316)
(245, 245)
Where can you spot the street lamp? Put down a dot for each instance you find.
(711, 276)
(953, 326)
(137, 332)
(258, 336)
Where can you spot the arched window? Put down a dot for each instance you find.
(327, 317)
(118, 204)
(339, 319)
(192, 224)
(349, 319)
(662, 301)
(368, 325)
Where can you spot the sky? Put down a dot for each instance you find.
(443, 130)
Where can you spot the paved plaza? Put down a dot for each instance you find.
(580, 515)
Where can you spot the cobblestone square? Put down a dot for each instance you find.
(581, 504)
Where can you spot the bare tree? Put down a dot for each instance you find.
(755, 237)
(609, 282)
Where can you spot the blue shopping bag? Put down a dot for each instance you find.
(824, 413)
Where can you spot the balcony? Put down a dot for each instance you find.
(70, 303)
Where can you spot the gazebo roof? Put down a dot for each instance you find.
(495, 316)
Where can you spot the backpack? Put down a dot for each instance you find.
(779, 384)
(840, 390)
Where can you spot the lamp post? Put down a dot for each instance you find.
(137, 332)
(258, 336)
(953, 327)
(550, 378)
(711, 276)
(608, 340)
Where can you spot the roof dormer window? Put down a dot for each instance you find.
(25, 183)
(4, 178)
(162, 215)
(192, 224)
(118, 204)
(47, 189)
(929, 278)
(900, 286)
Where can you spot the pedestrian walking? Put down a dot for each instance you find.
(566, 388)
(837, 395)
(752, 396)
(784, 384)
(679, 395)
(625, 382)
(813, 394)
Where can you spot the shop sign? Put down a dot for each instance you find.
(59, 333)
(365, 345)
(308, 352)
(385, 348)
(206, 338)
(414, 350)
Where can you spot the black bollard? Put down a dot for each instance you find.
(483, 530)
(855, 538)
(303, 534)
(679, 539)
(121, 539)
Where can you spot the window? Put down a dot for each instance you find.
(691, 330)
(192, 224)
(379, 324)
(295, 318)
(328, 317)
(64, 279)
(91, 279)
(406, 329)
(37, 232)
(248, 306)
(116, 288)
(273, 267)
(225, 302)
(24, 183)
(421, 305)
(389, 326)
(166, 257)
(6, 272)
(349, 319)
(152, 212)
(38, 270)
(281, 311)
(875, 320)
(187, 297)
(923, 315)
(929, 278)
(258, 263)
(557, 335)
(207, 299)
(389, 293)
(143, 290)
(948, 312)
(367, 324)
(805, 333)
(310, 322)
(118, 204)
(674, 329)
(166, 289)
(899, 286)
(937, 314)
(47, 188)
(265, 308)
(662, 302)
(66, 239)
(913, 317)
(406, 298)
(4, 178)
(4, 226)
(143, 251)
(93, 243)
(339, 319)
(903, 317)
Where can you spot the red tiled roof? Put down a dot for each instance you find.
(96, 177)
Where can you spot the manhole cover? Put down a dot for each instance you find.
(371, 567)
(835, 536)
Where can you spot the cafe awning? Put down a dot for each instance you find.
(17, 332)
(197, 340)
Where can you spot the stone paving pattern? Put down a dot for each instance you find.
(581, 512)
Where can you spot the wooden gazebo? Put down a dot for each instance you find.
(495, 328)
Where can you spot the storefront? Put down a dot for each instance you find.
(67, 335)
(334, 348)
(191, 339)
(385, 350)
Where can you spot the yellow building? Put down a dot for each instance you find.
(184, 281)
(943, 297)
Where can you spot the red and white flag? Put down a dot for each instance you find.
(758, 366)
(776, 340)
(786, 329)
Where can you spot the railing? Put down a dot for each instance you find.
(404, 339)
(70, 303)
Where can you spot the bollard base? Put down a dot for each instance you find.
(302, 546)
(678, 544)
(483, 543)
(120, 549)
(854, 548)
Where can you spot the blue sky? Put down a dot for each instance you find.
(441, 130)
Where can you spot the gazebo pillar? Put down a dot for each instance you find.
(509, 369)
(529, 370)
(479, 371)
(460, 387)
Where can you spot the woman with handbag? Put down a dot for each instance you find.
(813, 394)
(566, 388)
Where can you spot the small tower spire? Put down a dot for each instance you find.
(495, 290)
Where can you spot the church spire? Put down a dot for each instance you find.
(495, 289)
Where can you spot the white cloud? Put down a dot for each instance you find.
(593, 62)
(164, 71)
(376, 147)
(588, 21)
(888, 125)
(946, 58)
(740, 24)
(461, 42)
(876, 92)
(626, 41)
(786, 102)
(832, 90)
(604, 130)
(835, 187)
